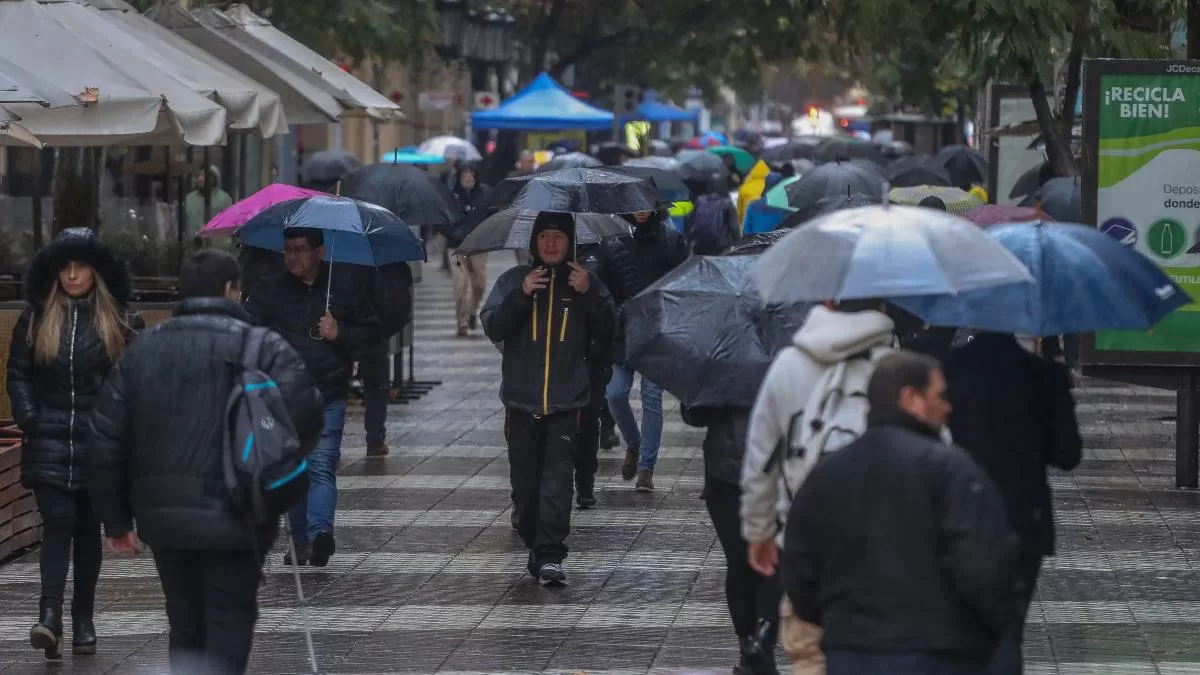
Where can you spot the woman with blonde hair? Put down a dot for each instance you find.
(71, 333)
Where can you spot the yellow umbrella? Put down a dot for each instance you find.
(957, 201)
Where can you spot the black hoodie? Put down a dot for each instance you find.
(547, 338)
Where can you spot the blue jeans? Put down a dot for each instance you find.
(907, 663)
(314, 515)
(649, 438)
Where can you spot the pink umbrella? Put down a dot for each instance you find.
(225, 223)
(995, 214)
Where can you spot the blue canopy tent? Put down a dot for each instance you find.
(657, 111)
(543, 105)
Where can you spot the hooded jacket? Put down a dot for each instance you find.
(769, 478)
(193, 203)
(547, 339)
(51, 402)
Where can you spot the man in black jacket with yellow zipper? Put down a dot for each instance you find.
(548, 317)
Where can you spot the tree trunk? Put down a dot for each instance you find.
(1058, 146)
(1193, 29)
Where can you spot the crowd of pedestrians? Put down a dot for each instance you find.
(883, 506)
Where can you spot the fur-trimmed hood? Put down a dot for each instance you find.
(80, 244)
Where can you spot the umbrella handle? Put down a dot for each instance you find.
(329, 281)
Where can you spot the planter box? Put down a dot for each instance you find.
(20, 522)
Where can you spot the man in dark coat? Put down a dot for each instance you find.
(390, 296)
(547, 318)
(630, 265)
(294, 305)
(898, 545)
(156, 460)
(1013, 411)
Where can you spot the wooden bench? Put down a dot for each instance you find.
(20, 522)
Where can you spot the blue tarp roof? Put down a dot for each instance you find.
(657, 111)
(544, 104)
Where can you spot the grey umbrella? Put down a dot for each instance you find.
(836, 179)
(512, 229)
(327, 167)
(1060, 198)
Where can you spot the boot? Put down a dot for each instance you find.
(645, 480)
(758, 651)
(46, 634)
(629, 466)
(83, 635)
(585, 495)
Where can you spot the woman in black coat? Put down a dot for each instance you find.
(71, 333)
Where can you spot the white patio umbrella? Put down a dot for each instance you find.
(450, 147)
(18, 85)
(10, 129)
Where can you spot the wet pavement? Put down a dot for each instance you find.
(430, 578)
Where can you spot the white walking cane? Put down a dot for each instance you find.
(312, 652)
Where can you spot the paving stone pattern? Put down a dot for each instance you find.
(429, 577)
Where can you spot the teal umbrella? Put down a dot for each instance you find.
(742, 160)
(778, 197)
(403, 156)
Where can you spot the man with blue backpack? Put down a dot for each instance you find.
(712, 226)
(201, 436)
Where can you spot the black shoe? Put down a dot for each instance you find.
(629, 466)
(46, 634)
(301, 550)
(552, 574)
(514, 518)
(585, 497)
(323, 546)
(754, 659)
(609, 439)
(83, 635)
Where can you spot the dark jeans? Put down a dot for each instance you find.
(67, 518)
(904, 663)
(587, 452)
(749, 595)
(212, 605)
(1008, 659)
(541, 459)
(373, 370)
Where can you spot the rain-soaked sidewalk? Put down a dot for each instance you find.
(430, 578)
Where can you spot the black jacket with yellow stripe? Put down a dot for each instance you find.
(548, 340)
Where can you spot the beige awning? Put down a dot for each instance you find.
(18, 85)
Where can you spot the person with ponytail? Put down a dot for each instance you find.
(73, 330)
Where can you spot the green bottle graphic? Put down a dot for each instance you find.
(1166, 238)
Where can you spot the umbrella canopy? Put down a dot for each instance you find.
(400, 156)
(708, 139)
(703, 333)
(965, 166)
(671, 187)
(577, 191)
(903, 174)
(612, 154)
(996, 214)
(777, 196)
(327, 166)
(227, 222)
(660, 148)
(412, 194)
(827, 205)
(1086, 281)
(1060, 198)
(757, 243)
(956, 201)
(18, 85)
(895, 150)
(9, 129)
(701, 167)
(355, 232)
(884, 252)
(846, 148)
(655, 162)
(836, 179)
(742, 161)
(513, 229)
(791, 151)
(570, 160)
(450, 147)
(1032, 180)
(544, 104)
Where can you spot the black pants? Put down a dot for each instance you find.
(69, 526)
(541, 460)
(373, 370)
(749, 595)
(212, 605)
(587, 451)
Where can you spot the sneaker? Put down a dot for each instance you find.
(629, 466)
(552, 574)
(323, 546)
(301, 550)
(378, 450)
(609, 439)
(645, 480)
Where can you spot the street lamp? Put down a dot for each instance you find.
(472, 32)
(452, 14)
(508, 31)
(490, 36)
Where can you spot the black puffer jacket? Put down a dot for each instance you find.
(292, 308)
(51, 402)
(158, 424)
(630, 264)
(725, 440)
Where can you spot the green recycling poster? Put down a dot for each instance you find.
(1148, 196)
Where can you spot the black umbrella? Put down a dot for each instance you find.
(872, 166)
(1031, 180)
(965, 166)
(703, 334)
(845, 148)
(757, 243)
(576, 191)
(790, 151)
(895, 150)
(838, 179)
(570, 160)
(1059, 198)
(613, 154)
(826, 205)
(671, 187)
(327, 166)
(914, 174)
(513, 229)
(415, 195)
(701, 166)
(660, 148)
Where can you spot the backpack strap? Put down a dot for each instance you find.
(252, 346)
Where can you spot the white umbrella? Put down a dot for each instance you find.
(9, 129)
(450, 147)
(18, 85)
